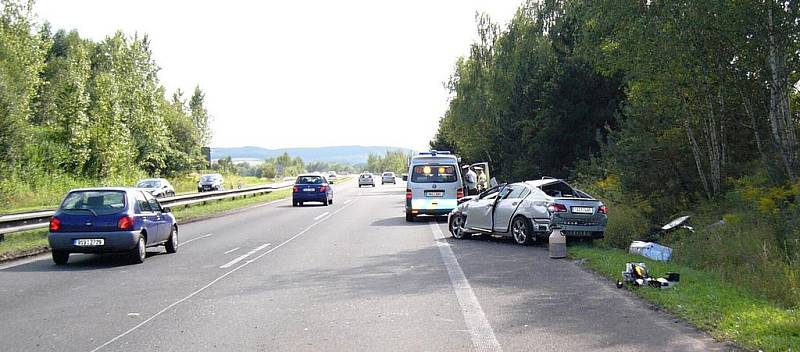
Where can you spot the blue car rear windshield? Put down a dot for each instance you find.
(95, 202)
(434, 174)
(310, 180)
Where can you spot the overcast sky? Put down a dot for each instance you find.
(300, 73)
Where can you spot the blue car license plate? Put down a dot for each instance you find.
(89, 242)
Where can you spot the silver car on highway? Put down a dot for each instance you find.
(388, 177)
(366, 179)
(529, 211)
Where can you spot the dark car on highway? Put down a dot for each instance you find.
(111, 220)
(311, 188)
(211, 182)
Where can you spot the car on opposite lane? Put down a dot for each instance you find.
(311, 188)
(527, 211)
(211, 182)
(366, 179)
(388, 177)
(158, 187)
(111, 220)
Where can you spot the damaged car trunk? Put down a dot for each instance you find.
(576, 213)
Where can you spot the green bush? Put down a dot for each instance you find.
(625, 224)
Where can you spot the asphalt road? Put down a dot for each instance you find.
(351, 276)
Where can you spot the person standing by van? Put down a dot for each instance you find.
(482, 182)
(471, 181)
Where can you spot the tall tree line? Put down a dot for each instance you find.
(675, 99)
(89, 109)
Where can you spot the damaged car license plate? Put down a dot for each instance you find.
(582, 210)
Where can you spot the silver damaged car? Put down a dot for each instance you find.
(528, 211)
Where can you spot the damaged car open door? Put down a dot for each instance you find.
(479, 213)
(506, 206)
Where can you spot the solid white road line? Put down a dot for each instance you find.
(192, 240)
(241, 257)
(137, 326)
(479, 329)
(321, 215)
(347, 201)
(232, 250)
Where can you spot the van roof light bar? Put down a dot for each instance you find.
(434, 152)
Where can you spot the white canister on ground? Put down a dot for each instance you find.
(558, 244)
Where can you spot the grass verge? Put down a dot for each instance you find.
(222, 206)
(20, 244)
(24, 243)
(706, 301)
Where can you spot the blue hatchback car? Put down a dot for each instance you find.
(311, 188)
(111, 220)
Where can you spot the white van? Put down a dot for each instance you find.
(434, 184)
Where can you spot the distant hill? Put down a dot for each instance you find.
(352, 154)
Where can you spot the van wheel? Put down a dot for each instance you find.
(409, 217)
(172, 242)
(60, 257)
(521, 230)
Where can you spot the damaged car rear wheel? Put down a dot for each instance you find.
(521, 231)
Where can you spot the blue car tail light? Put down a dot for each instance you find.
(125, 223)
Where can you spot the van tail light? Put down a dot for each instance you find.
(460, 193)
(557, 208)
(295, 189)
(602, 209)
(55, 224)
(125, 223)
(408, 193)
(323, 188)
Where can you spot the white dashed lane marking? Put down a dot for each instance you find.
(241, 257)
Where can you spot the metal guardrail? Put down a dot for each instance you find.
(11, 223)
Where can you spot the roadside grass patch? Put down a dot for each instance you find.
(42, 192)
(725, 310)
(188, 183)
(20, 243)
(221, 206)
(216, 207)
